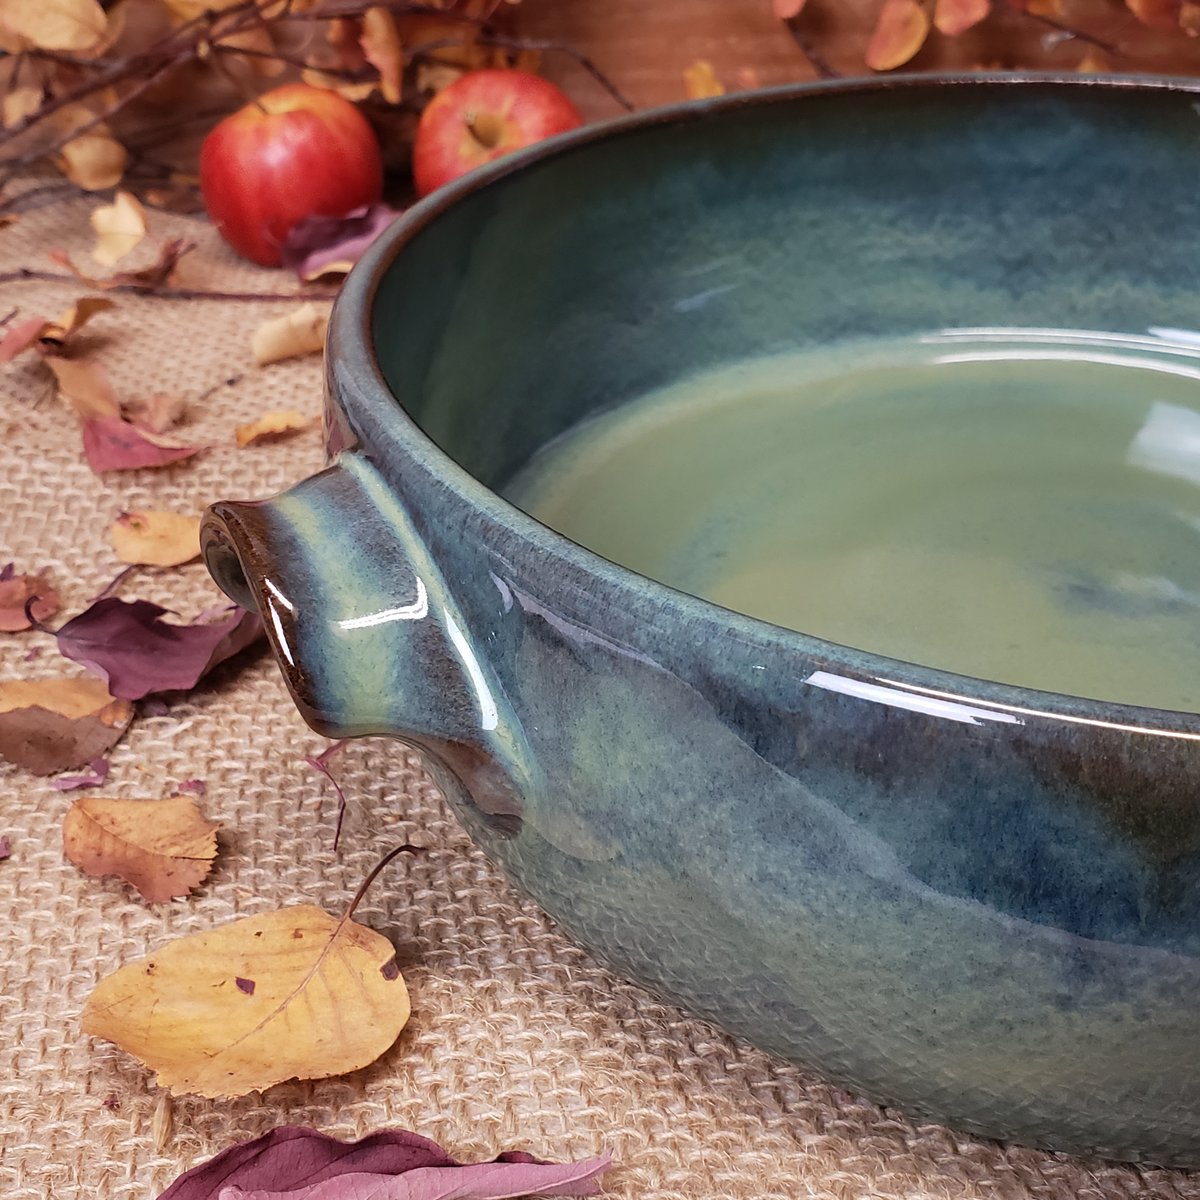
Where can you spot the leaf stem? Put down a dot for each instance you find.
(373, 874)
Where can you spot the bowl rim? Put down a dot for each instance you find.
(929, 688)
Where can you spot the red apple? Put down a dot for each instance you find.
(296, 152)
(482, 116)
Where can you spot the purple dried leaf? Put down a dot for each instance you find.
(137, 653)
(7, 572)
(322, 244)
(295, 1159)
(482, 1181)
(5, 848)
(114, 444)
(191, 787)
(68, 783)
(390, 970)
(244, 985)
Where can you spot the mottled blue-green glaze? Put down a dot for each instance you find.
(976, 902)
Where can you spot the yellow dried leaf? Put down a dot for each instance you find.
(272, 426)
(900, 32)
(1094, 62)
(953, 17)
(94, 160)
(700, 81)
(382, 48)
(52, 725)
(55, 24)
(119, 227)
(354, 92)
(19, 102)
(300, 332)
(85, 387)
(75, 317)
(293, 993)
(153, 538)
(164, 848)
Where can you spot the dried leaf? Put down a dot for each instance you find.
(137, 653)
(57, 724)
(94, 160)
(21, 336)
(153, 538)
(900, 32)
(320, 246)
(164, 848)
(700, 81)
(354, 92)
(149, 278)
(322, 1004)
(785, 10)
(298, 1160)
(953, 17)
(382, 48)
(5, 848)
(86, 388)
(16, 591)
(74, 318)
(113, 444)
(119, 227)
(55, 24)
(98, 774)
(433, 77)
(19, 103)
(1094, 62)
(1158, 14)
(300, 332)
(272, 426)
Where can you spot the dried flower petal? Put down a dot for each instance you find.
(156, 539)
(272, 426)
(96, 777)
(900, 32)
(319, 246)
(299, 332)
(16, 592)
(119, 227)
(700, 81)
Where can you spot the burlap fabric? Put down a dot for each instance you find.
(517, 1038)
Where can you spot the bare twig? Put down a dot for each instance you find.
(819, 63)
(29, 275)
(515, 43)
(1071, 32)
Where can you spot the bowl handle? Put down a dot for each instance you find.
(367, 635)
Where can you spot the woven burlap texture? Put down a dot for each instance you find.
(517, 1038)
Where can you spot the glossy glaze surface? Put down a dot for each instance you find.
(977, 902)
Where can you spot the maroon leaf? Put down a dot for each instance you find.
(128, 643)
(16, 591)
(321, 245)
(299, 1160)
(244, 985)
(68, 783)
(5, 848)
(193, 787)
(113, 444)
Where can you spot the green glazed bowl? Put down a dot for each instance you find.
(974, 901)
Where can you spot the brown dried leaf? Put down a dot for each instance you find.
(785, 10)
(953, 17)
(119, 227)
(85, 387)
(16, 591)
(272, 426)
(323, 1002)
(74, 25)
(94, 160)
(299, 332)
(1158, 14)
(19, 102)
(153, 538)
(164, 848)
(900, 32)
(52, 725)
(700, 81)
(382, 48)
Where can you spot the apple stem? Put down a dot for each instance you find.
(485, 127)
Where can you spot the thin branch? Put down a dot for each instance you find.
(558, 48)
(373, 874)
(29, 275)
(1069, 31)
(819, 63)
